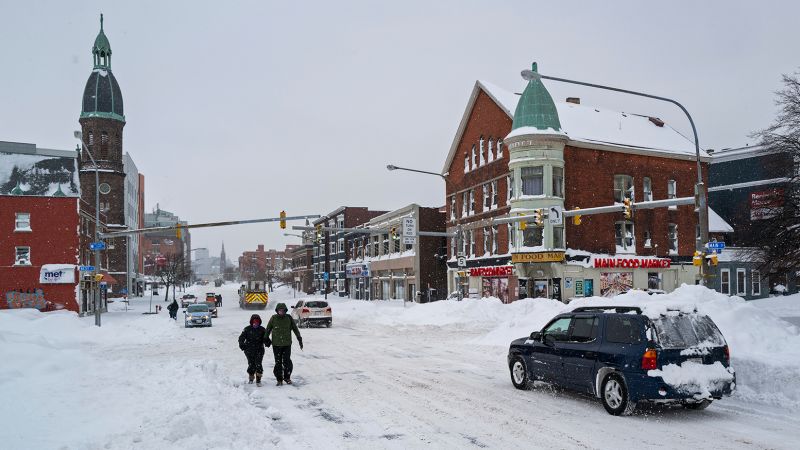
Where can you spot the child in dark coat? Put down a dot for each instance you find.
(252, 342)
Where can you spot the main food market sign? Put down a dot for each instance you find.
(633, 263)
(497, 271)
(537, 257)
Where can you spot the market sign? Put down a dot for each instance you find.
(537, 257)
(766, 204)
(357, 271)
(633, 263)
(57, 273)
(497, 271)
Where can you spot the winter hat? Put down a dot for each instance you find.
(255, 318)
(281, 306)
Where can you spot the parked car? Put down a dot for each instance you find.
(624, 357)
(197, 315)
(187, 300)
(211, 301)
(312, 312)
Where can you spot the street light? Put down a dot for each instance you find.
(702, 212)
(79, 136)
(459, 229)
(294, 234)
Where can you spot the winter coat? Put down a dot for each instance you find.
(173, 307)
(253, 339)
(282, 327)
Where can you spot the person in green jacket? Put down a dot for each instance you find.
(281, 326)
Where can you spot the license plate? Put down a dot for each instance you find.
(317, 313)
(695, 360)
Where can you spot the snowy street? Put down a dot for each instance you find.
(381, 377)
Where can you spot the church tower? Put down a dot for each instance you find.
(102, 119)
(222, 261)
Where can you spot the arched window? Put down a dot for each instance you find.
(103, 145)
(490, 156)
(91, 139)
(474, 163)
(499, 148)
(482, 160)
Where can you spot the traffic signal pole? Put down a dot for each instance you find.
(205, 225)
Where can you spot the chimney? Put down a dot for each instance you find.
(575, 100)
(260, 247)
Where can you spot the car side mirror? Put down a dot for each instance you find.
(549, 340)
(292, 307)
(535, 336)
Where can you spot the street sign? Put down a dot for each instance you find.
(325, 276)
(409, 240)
(409, 226)
(97, 246)
(462, 261)
(555, 215)
(715, 245)
(86, 268)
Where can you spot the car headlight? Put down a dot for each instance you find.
(205, 317)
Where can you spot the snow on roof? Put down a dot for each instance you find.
(39, 174)
(593, 125)
(717, 224)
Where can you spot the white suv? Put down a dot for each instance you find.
(312, 312)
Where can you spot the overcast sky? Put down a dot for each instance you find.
(236, 110)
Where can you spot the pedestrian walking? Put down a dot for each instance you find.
(173, 310)
(281, 326)
(252, 342)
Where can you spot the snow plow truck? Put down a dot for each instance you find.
(253, 295)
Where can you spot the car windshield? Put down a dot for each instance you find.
(316, 304)
(198, 308)
(687, 330)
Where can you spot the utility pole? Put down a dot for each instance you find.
(79, 135)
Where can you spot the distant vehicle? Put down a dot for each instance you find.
(187, 300)
(623, 357)
(211, 301)
(312, 312)
(218, 282)
(253, 295)
(197, 315)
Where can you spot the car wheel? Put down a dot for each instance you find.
(519, 374)
(698, 406)
(614, 395)
(329, 323)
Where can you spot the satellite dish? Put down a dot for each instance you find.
(105, 188)
(530, 75)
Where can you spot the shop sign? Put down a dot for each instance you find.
(357, 271)
(497, 271)
(578, 288)
(633, 263)
(537, 257)
(57, 273)
(766, 204)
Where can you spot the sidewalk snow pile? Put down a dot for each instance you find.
(67, 384)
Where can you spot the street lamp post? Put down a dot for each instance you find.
(459, 228)
(79, 136)
(700, 193)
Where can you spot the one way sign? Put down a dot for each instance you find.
(555, 215)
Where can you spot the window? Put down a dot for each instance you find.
(654, 280)
(741, 280)
(673, 238)
(465, 242)
(624, 237)
(386, 244)
(22, 222)
(471, 202)
(494, 194)
(672, 192)
(532, 180)
(473, 158)
(91, 139)
(558, 237)
(482, 158)
(472, 242)
(486, 198)
(532, 237)
(23, 256)
(725, 281)
(453, 208)
(623, 330)
(453, 246)
(499, 149)
(464, 203)
(466, 164)
(486, 241)
(755, 280)
(647, 189)
(559, 329)
(558, 182)
(494, 240)
(103, 145)
(510, 186)
(584, 329)
(648, 241)
(490, 156)
(623, 188)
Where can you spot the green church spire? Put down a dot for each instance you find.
(101, 49)
(536, 108)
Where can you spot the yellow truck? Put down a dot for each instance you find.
(253, 295)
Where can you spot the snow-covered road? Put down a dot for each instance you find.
(359, 384)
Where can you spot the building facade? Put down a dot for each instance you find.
(160, 245)
(132, 220)
(562, 156)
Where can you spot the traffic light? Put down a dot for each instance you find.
(393, 233)
(697, 260)
(576, 219)
(627, 208)
(319, 233)
(714, 260)
(523, 225)
(283, 220)
(538, 217)
(178, 233)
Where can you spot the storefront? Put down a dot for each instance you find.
(495, 281)
(358, 276)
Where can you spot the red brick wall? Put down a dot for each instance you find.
(53, 240)
(589, 182)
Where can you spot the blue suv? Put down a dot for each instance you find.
(624, 357)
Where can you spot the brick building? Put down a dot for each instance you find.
(382, 267)
(566, 155)
(331, 253)
(158, 245)
(302, 268)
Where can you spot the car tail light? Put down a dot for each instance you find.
(650, 359)
(305, 310)
(727, 354)
(327, 310)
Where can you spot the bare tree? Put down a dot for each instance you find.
(171, 272)
(778, 240)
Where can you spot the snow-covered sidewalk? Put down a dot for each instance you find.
(384, 376)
